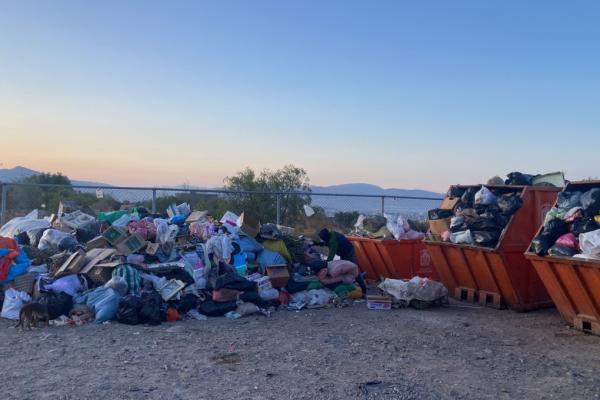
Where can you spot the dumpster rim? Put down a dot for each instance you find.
(561, 259)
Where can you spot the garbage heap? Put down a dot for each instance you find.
(386, 227)
(572, 227)
(477, 215)
(139, 268)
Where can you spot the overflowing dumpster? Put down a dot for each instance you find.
(573, 282)
(398, 259)
(498, 275)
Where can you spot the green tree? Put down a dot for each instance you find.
(288, 181)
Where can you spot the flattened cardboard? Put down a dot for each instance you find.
(98, 242)
(279, 275)
(248, 225)
(196, 216)
(72, 265)
(96, 256)
(101, 273)
(449, 203)
(439, 226)
(130, 245)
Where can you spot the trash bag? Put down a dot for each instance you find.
(295, 287)
(509, 203)
(128, 311)
(374, 223)
(232, 280)
(548, 236)
(35, 235)
(254, 298)
(270, 232)
(53, 239)
(417, 288)
(486, 238)
(69, 284)
(455, 191)
(118, 284)
(568, 240)
(213, 309)
(519, 179)
(13, 301)
(485, 196)
(188, 301)
(57, 304)
(590, 243)
(568, 200)
(23, 224)
(590, 202)
(483, 224)
(150, 310)
(439, 213)
(560, 250)
(584, 225)
(468, 197)
(103, 301)
(22, 239)
(463, 237)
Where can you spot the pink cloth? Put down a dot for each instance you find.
(338, 271)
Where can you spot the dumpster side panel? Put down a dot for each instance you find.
(557, 291)
(379, 265)
(400, 254)
(363, 261)
(441, 265)
(423, 262)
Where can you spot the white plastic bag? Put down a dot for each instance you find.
(463, 237)
(162, 230)
(52, 239)
(13, 301)
(417, 288)
(308, 211)
(485, 196)
(590, 243)
(23, 224)
(397, 226)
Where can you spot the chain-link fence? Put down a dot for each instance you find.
(341, 210)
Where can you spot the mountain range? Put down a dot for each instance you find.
(19, 172)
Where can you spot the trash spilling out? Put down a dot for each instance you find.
(134, 267)
(478, 215)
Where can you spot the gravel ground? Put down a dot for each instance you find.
(455, 352)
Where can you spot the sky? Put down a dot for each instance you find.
(404, 94)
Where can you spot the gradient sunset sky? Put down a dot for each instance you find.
(411, 94)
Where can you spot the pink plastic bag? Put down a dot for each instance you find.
(568, 240)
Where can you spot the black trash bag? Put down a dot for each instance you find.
(129, 310)
(150, 311)
(438, 213)
(568, 200)
(57, 304)
(497, 216)
(86, 234)
(232, 280)
(213, 309)
(486, 238)
(584, 225)
(590, 201)
(483, 224)
(179, 274)
(187, 302)
(35, 235)
(560, 250)
(22, 239)
(509, 203)
(455, 191)
(295, 287)
(468, 197)
(254, 297)
(552, 230)
(519, 179)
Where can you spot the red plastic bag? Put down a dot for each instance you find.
(568, 240)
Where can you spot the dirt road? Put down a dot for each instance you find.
(457, 352)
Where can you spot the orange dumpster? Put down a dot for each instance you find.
(573, 283)
(499, 276)
(398, 259)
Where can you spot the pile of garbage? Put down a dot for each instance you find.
(572, 227)
(136, 267)
(385, 227)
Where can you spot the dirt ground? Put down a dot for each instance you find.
(455, 352)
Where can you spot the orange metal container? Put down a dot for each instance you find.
(398, 259)
(573, 283)
(502, 275)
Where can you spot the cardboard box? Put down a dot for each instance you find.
(249, 225)
(375, 302)
(152, 248)
(197, 216)
(130, 245)
(77, 220)
(449, 203)
(96, 243)
(72, 265)
(101, 273)
(95, 257)
(115, 235)
(439, 226)
(279, 275)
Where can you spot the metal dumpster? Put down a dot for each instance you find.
(573, 283)
(398, 259)
(499, 276)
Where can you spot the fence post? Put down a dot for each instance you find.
(153, 201)
(3, 205)
(278, 209)
(382, 205)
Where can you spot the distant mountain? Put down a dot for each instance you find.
(18, 173)
(368, 189)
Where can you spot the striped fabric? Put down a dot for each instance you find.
(131, 275)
